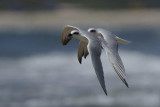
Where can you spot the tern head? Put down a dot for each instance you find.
(95, 32)
(74, 33)
(92, 30)
(78, 35)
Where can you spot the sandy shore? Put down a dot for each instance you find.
(79, 17)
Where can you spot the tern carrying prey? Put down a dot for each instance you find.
(94, 41)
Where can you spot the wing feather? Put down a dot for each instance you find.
(82, 51)
(94, 47)
(65, 32)
(97, 65)
(115, 60)
(117, 65)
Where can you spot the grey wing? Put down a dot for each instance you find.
(95, 57)
(116, 62)
(65, 32)
(82, 51)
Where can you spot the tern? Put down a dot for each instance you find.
(110, 42)
(66, 37)
(82, 48)
(93, 42)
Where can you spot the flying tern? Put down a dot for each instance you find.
(110, 44)
(93, 42)
(66, 37)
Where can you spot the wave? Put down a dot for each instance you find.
(57, 79)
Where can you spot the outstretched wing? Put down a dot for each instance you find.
(109, 43)
(65, 38)
(94, 47)
(115, 60)
(82, 51)
(97, 65)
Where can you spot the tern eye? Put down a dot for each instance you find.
(75, 33)
(92, 30)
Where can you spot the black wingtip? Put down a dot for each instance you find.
(126, 83)
(105, 92)
(127, 86)
(80, 61)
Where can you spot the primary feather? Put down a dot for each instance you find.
(110, 44)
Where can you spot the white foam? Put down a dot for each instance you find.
(60, 74)
(134, 62)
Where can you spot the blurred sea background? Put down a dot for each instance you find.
(37, 71)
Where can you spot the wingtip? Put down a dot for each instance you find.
(63, 42)
(105, 92)
(125, 82)
(127, 85)
(80, 60)
(86, 54)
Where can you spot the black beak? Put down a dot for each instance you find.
(70, 34)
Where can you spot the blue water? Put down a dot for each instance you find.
(29, 42)
(37, 71)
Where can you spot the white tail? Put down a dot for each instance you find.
(120, 40)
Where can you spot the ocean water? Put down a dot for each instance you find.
(37, 71)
